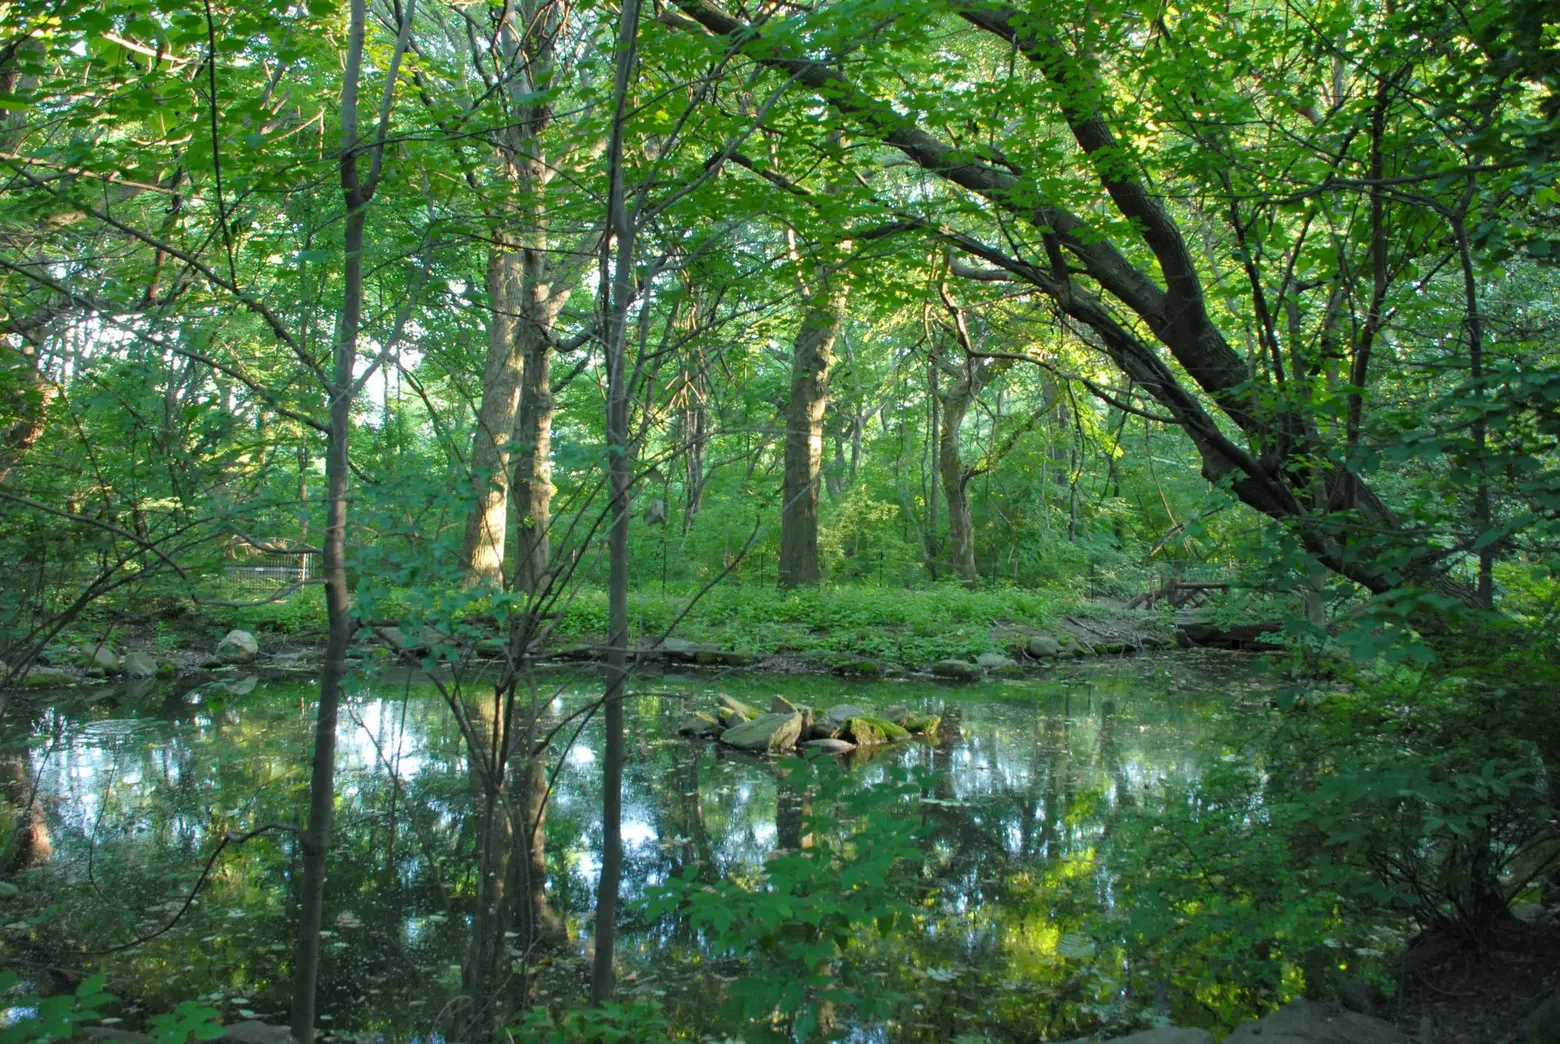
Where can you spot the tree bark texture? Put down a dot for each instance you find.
(810, 358)
(950, 467)
(540, 303)
(482, 550)
(515, 415)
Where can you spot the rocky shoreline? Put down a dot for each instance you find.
(1014, 655)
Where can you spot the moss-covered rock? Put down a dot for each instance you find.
(768, 734)
(48, 677)
(956, 670)
(849, 666)
(700, 724)
(737, 706)
(868, 731)
(922, 724)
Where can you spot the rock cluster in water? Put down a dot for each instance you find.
(788, 726)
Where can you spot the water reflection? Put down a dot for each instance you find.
(1026, 776)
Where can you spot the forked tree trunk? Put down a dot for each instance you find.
(804, 430)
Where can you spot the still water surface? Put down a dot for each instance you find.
(140, 790)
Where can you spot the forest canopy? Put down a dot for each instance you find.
(542, 322)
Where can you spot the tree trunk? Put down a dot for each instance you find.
(804, 430)
(29, 405)
(27, 841)
(621, 223)
(540, 303)
(356, 193)
(482, 551)
(950, 466)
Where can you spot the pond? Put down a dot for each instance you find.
(139, 790)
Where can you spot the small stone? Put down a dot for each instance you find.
(780, 705)
(700, 724)
(238, 647)
(139, 665)
(830, 746)
(840, 713)
(1043, 645)
(956, 670)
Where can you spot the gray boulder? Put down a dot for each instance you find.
(1042, 645)
(767, 734)
(896, 714)
(1309, 1022)
(102, 656)
(139, 665)
(956, 670)
(830, 746)
(840, 713)
(238, 647)
(994, 661)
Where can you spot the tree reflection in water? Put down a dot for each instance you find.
(1027, 775)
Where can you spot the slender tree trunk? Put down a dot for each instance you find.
(930, 490)
(322, 784)
(482, 550)
(621, 225)
(804, 431)
(356, 193)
